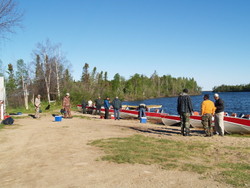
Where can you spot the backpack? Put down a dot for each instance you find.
(8, 121)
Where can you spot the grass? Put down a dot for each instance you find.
(201, 158)
(147, 150)
(237, 174)
(54, 107)
(240, 135)
(20, 117)
(2, 126)
(198, 168)
(20, 109)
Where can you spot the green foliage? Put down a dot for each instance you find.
(10, 82)
(52, 80)
(137, 87)
(232, 88)
(94, 84)
(21, 73)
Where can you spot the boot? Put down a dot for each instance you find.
(182, 131)
(187, 132)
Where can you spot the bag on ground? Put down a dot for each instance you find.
(8, 121)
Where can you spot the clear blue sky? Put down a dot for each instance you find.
(208, 40)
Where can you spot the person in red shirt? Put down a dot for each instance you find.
(67, 106)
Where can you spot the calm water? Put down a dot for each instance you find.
(235, 102)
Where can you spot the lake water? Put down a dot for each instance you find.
(235, 102)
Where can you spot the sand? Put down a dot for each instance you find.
(44, 153)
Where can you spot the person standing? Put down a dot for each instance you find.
(98, 105)
(185, 109)
(84, 105)
(37, 106)
(106, 106)
(90, 107)
(142, 110)
(207, 112)
(219, 115)
(90, 103)
(66, 106)
(117, 105)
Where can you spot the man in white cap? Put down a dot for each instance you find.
(219, 115)
(66, 106)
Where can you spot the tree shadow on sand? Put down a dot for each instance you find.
(166, 131)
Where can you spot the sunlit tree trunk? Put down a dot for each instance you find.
(47, 76)
(25, 94)
(57, 81)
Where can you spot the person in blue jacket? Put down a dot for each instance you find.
(106, 106)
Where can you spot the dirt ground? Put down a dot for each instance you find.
(44, 153)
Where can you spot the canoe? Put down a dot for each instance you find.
(195, 121)
(149, 107)
(129, 111)
(237, 125)
(231, 124)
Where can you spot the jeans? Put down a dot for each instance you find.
(117, 113)
(142, 112)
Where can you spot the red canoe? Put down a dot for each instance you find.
(232, 124)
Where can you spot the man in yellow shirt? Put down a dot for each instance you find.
(207, 112)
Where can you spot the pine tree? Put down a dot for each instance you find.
(22, 77)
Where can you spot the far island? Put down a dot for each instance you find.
(232, 88)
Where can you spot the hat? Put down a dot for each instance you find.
(216, 95)
(67, 94)
(206, 96)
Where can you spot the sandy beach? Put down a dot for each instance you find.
(44, 153)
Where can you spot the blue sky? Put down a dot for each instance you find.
(208, 40)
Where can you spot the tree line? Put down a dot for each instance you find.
(49, 75)
(232, 88)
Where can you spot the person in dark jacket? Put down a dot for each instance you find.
(117, 105)
(219, 115)
(84, 105)
(98, 105)
(106, 106)
(185, 109)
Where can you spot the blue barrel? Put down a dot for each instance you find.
(58, 118)
(143, 120)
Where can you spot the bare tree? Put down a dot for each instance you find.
(50, 67)
(10, 16)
